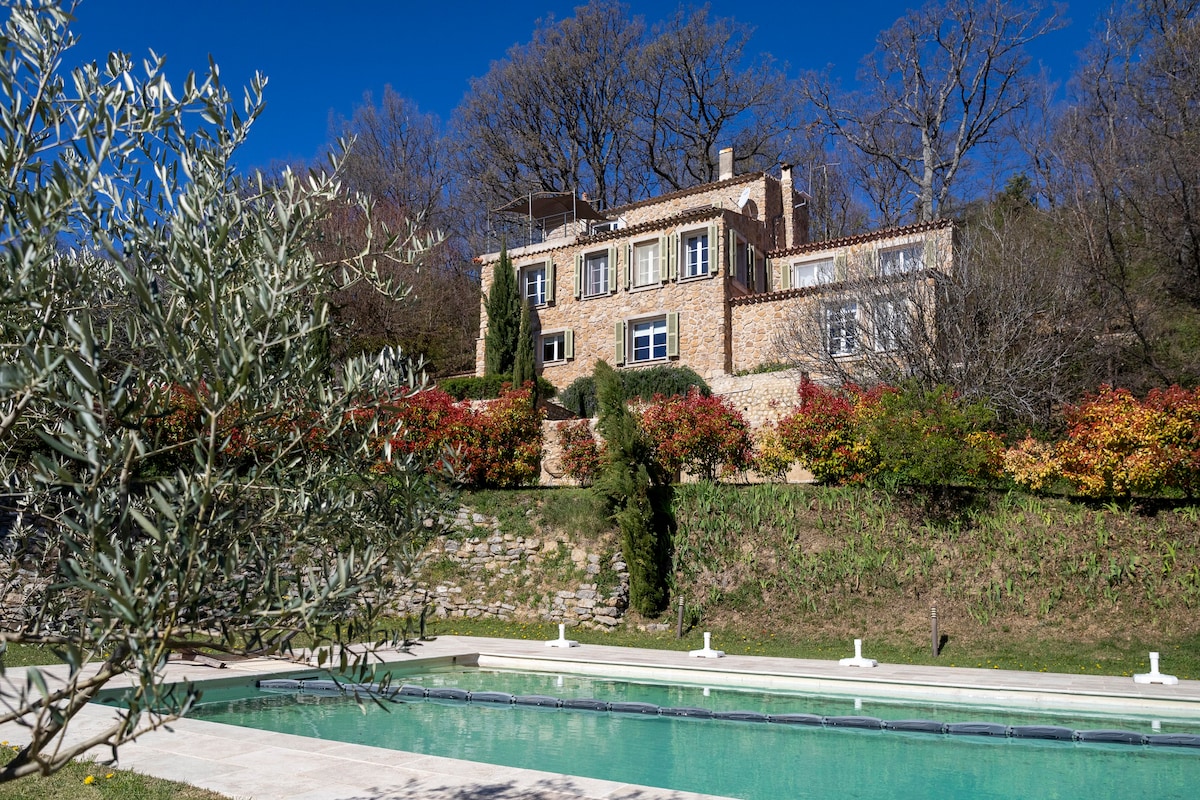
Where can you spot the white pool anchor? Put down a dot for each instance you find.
(1154, 676)
(858, 660)
(562, 640)
(707, 652)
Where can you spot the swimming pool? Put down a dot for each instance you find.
(735, 759)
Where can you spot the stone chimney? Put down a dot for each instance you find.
(725, 163)
(795, 210)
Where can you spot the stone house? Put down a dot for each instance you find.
(704, 277)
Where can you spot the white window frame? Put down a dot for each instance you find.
(651, 328)
(604, 284)
(902, 259)
(702, 267)
(562, 342)
(823, 271)
(842, 328)
(890, 321)
(540, 296)
(647, 263)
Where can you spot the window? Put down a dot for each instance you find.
(900, 260)
(890, 323)
(647, 263)
(812, 273)
(649, 339)
(596, 274)
(841, 329)
(695, 254)
(558, 346)
(534, 280)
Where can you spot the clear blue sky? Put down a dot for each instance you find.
(320, 56)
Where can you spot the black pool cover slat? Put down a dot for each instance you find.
(871, 723)
(977, 729)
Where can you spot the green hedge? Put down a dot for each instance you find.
(487, 387)
(580, 396)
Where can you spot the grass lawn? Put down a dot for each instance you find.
(86, 779)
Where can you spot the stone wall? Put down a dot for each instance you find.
(559, 581)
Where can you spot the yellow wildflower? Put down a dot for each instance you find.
(89, 780)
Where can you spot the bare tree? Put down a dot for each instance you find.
(695, 96)
(934, 89)
(1130, 192)
(555, 115)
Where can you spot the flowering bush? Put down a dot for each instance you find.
(1031, 464)
(580, 450)
(825, 431)
(771, 456)
(503, 443)
(697, 433)
(1117, 445)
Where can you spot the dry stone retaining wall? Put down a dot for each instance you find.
(485, 560)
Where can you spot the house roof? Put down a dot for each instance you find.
(846, 241)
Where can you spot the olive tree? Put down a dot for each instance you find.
(179, 470)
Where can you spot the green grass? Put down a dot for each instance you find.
(72, 783)
(24, 655)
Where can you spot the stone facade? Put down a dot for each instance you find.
(759, 272)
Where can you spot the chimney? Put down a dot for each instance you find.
(795, 214)
(725, 162)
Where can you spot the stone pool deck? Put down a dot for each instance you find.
(259, 765)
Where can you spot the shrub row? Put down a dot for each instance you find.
(665, 380)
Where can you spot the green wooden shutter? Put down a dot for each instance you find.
(550, 276)
(673, 257)
(614, 282)
(751, 267)
(731, 254)
(568, 344)
(712, 249)
(578, 275)
(930, 255)
(785, 276)
(619, 343)
(663, 272)
(839, 267)
(673, 335)
(628, 267)
(768, 275)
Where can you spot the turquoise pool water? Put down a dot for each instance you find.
(755, 761)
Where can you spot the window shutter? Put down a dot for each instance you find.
(712, 249)
(673, 335)
(751, 267)
(663, 275)
(619, 343)
(731, 253)
(628, 267)
(768, 277)
(613, 282)
(785, 276)
(568, 344)
(930, 255)
(578, 275)
(550, 281)
(839, 267)
(673, 257)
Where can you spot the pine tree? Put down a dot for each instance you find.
(523, 368)
(504, 318)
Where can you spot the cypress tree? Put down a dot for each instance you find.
(504, 318)
(523, 368)
(638, 494)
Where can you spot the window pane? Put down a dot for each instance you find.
(696, 255)
(552, 347)
(535, 285)
(901, 259)
(812, 273)
(650, 339)
(647, 264)
(597, 274)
